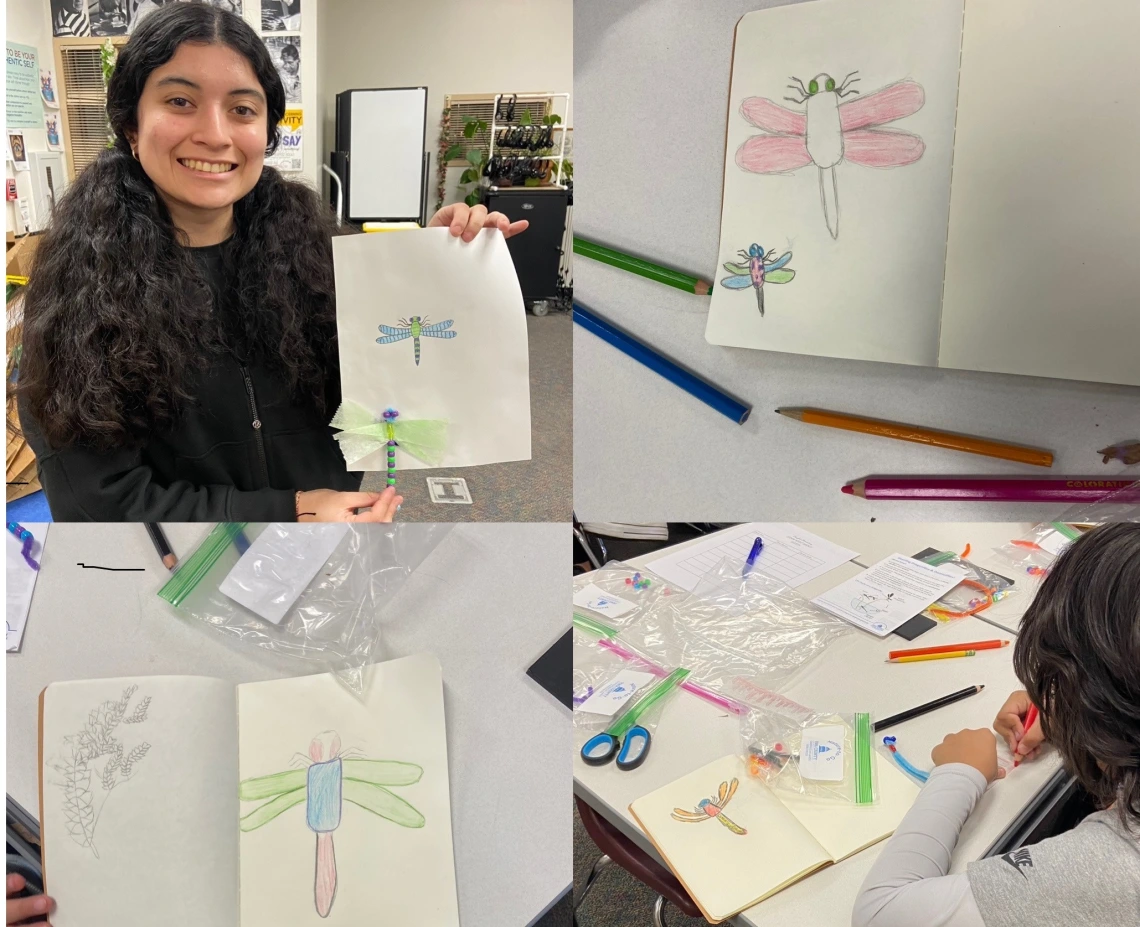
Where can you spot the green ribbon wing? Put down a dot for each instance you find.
(380, 801)
(361, 435)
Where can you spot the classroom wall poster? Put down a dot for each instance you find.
(289, 155)
(285, 50)
(280, 15)
(16, 152)
(23, 109)
(48, 93)
(54, 133)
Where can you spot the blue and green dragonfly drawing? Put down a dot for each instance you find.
(333, 776)
(759, 268)
(415, 328)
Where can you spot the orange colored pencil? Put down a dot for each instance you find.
(948, 648)
(922, 435)
(923, 657)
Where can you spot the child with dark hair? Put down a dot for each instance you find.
(1078, 654)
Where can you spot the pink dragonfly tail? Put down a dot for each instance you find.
(325, 888)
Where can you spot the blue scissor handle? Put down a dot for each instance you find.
(593, 758)
(634, 749)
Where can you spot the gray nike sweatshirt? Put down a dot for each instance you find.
(1088, 877)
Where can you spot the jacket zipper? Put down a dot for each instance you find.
(256, 428)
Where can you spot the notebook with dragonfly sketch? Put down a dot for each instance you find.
(732, 841)
(184, 800)
(944, 183)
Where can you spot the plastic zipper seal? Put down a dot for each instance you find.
(864, 781)
(194, 569)
(630, 716)
(590, 626)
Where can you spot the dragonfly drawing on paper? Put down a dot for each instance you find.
(713, 808)
(415, 328)
(830, 131)
(759, 267)
(332, 777)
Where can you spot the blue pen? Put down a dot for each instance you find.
(757, 546)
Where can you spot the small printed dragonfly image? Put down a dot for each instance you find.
(713, 808)
(332, 777)
(415, 328)
(758, 268)
(830, 131)
(868, 603)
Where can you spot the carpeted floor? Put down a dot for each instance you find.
(539, 489)
(617, 898)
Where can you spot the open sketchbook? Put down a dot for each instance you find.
(935, 183)
(732, 841)
(183, 800)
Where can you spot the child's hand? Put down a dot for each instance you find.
(22, 909)
(1010, 723)
(974, 748)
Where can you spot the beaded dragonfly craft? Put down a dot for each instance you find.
(713, 808)
(332, 777)
(758, 268)
(415, 328)
(360, 435)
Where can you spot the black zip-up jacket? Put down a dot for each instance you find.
(239, 451)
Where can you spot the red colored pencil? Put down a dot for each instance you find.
(948, 648)
(1030, 719)
(1074, 489)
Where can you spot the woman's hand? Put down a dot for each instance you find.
(23, 909)
(1010, 723)
(974, 748)
(330, 505)
(464, 221)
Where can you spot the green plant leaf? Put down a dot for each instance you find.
(472, 199)
(468, 176)
(532, 182)
(475, 157)
(526, 118)
(453, 153)
(552, 119)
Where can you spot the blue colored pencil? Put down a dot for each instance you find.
(672, 371)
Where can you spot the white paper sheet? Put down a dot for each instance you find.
(790, 554)
(596, 599)
(279, 565)
(888, 594)
(478, 380)
(386, 873)
(874, 292)
(607, 699)
(21, 580)
(161, 843)
(1040, 273)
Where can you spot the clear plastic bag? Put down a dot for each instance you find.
(821, 754)
(637, 591)
(978, 590)
(1032, 554)
(329, 623)
(733, 628)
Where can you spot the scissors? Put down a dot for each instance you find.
(625, 738)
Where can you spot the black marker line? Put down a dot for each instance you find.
(92, 566)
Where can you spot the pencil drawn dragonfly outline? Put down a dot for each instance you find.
(713, 808)
(332, 777)
(830, 131)
(415, 328)
(759, 268)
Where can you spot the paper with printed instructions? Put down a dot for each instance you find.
(452, 316)
(888, 594)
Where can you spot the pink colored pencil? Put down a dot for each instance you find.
(967, 489)
(721, 701)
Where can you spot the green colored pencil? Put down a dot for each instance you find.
(642, 267)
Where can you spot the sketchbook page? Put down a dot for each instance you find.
(139, 801)
(434, 328)
(345, 805)
(729, 845)
(859, 273)
(1041, 276)
(843, 829)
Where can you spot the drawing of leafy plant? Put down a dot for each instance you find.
(85, 748)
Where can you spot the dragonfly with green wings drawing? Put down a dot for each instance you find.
(416, 328)
(333, 776)
(713, 808)
(759, 267)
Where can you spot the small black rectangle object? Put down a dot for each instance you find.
(554, 670)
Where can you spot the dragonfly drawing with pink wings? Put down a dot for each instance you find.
(759, 267)
(830, 131)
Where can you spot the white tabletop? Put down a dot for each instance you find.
(651, 81)
(850, 675)
(512, 833)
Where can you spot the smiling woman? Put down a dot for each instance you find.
(180, 358)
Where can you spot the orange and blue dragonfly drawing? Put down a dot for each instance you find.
(713, 808)
(332, 777)
(759, 268)
(415, 328)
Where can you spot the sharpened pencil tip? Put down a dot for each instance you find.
(849, 489)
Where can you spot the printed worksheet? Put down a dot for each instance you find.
(888, 594)
(790, 554)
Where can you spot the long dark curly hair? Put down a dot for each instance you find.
(116, 311)
(1078, 654)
